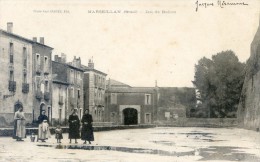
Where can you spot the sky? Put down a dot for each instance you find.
(140, 47)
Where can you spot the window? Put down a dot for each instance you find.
(24, 57)
(11, 50)
(72, 92)
(167, 115)
(148, 118)
(11, 77)
(60, 111)
(46, 63)
(78, 93)
(37, 82)
(147, 99)
(113, 98)
(72, 76)
(24, 78)
(38, 59)
(46, 86)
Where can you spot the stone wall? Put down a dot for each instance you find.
(249, 106)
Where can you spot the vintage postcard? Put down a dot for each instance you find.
(128, 80)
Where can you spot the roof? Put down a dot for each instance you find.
(75, 68)
(23, 38)
(115, 83)
(86, 68)
(131, 89)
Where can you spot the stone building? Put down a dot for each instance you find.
(147, 105)
(17, 86)
(42, 78)
(67, 89)
(249, 106)
(126, 105)
(94, 91)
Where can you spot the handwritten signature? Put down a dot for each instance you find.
(219, 3)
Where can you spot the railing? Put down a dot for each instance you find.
(12, 86)
(46, 69)
(25, 88)
(47, 96)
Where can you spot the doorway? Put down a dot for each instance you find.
(130, 116)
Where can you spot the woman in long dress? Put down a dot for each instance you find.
(19, 125)
(87, 128)
(74, 125)
(43, 129)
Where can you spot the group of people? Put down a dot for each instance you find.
(86, 127)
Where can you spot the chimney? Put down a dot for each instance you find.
(56, 57)
(10, 27)
(90, 64)
(35, 39)
(63, 58)
(42, 40)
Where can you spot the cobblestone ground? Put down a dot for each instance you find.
(155, 144)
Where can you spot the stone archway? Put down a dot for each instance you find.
(42, 107)
(130, 116)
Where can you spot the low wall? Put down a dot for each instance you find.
(29, 131)
(200, 122)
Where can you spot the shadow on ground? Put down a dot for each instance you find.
(207, 154)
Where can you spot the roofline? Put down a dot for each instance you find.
(24, 39)
(68, 65)
(73, 67)
(86, 70)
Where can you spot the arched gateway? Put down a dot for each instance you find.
(129, 114)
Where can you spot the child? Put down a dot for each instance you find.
(58, 132)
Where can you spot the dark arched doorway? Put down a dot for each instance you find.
(130, 116)
(17, 105)
(42, 108)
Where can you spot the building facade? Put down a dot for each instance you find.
(67, 89)
(94, 91)
(127, 105)
(42, 78)
(17, 76)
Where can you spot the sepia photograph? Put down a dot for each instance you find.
(129, 81)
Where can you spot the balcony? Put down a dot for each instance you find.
(47, 96)
(38, 95)
(61, 100)
(25, 88)
(12, 86)
(46, 70)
